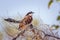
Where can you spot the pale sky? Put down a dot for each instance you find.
(40, 7)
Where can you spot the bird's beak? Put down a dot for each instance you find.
(32, 12)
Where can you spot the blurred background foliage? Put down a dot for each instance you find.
(50, 3)
(58, 18)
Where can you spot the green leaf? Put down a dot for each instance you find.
(58, 18)
(58, 0)
(56, 26)
(50, 3)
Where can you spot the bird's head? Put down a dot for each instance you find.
(29, 13)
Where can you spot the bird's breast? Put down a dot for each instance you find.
(28, 20)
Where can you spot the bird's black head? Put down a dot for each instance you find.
(29, 13)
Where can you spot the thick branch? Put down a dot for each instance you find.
(18, 35)
(38, 31)
(47, 34)
(50, 35)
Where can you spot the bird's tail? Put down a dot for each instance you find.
(11, 20)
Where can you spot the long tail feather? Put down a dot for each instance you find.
(11, 20)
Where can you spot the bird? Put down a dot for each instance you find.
(26, 20)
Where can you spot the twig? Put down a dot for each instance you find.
(38, 31)
(47, 34)
(50, 35)
(18, 35)
(31, 26)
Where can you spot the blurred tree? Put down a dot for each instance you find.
(51, 1)
(49, 5)
(58, 18)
